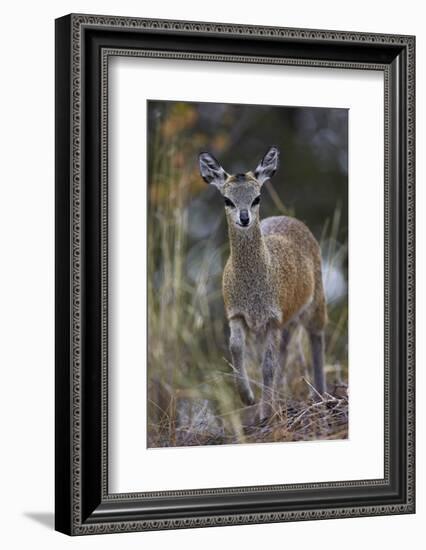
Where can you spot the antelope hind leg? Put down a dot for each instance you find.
(317, 348)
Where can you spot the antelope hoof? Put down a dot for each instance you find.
(265, 412)
(247, 397)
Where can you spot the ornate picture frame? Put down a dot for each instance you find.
(84, 45)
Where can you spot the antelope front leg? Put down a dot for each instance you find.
(269, 368)
(279, 374)
(237, 344)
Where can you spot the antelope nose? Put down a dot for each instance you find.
(244, 217)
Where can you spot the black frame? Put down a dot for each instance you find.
(83, 46)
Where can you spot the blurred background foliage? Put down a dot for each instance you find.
(191, 397)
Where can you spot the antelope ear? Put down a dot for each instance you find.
(211, 171)
(267, 166)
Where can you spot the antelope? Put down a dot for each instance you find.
(272, 280)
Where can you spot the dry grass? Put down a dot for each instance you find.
(189, 422)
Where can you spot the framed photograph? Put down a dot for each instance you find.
(234, 274)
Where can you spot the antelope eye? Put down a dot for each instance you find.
(229, 203)
(256, 201)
